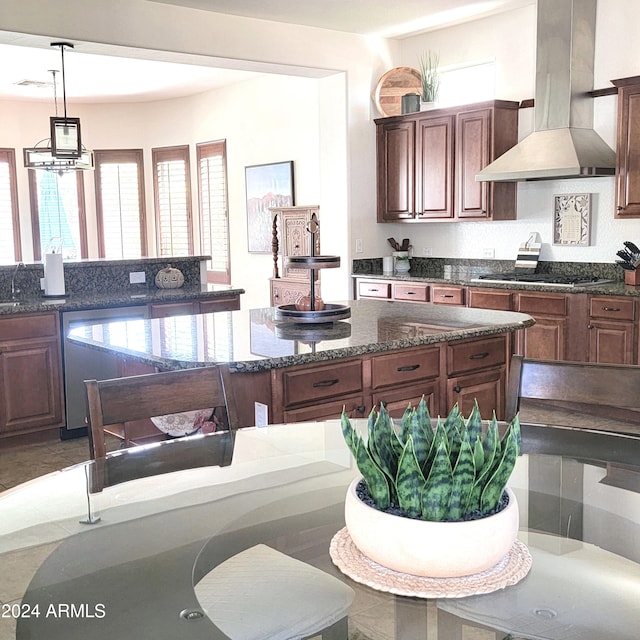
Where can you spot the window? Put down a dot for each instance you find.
(171, 187)
(58, 213)
(214, 212)
(119, 179)
(10, 249)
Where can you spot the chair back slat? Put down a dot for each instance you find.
(589, 387)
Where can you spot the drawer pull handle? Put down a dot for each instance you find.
(457, 389)
(361, 409)
(446, 295)
(411, 367)
(372, 290)
(479, 356)
(610, 308)
(410, 293)
(326, 383)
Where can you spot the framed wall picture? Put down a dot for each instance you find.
(572, 219)
(268, 185)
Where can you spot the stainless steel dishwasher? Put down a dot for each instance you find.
(83, 363)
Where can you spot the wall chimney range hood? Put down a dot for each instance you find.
(563, 143)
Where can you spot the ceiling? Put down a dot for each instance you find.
(94, 77)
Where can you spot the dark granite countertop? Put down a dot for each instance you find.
(254, 340)
(113, 299)
(616, 288)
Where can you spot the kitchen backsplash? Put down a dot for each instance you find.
(464, 269)
(87, 277)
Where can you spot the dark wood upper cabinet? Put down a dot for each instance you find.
(628, 148)
(427, 163)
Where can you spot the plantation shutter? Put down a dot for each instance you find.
(58, 215)
(120, 204)
(10, 249)
(171, 182)
(214, 211)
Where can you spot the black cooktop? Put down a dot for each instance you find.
(542, 278)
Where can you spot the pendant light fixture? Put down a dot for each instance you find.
(63, 150)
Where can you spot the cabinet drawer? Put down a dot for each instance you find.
(612, 308)
(412, 292)
(401, 368)
(480, 354)
(312, 384)
(447, 295)
(542, 303)
(396, 401)
(483, 299)
(372, 289)
(355, 407)
(23, 327)
(219, 304)
(169, 309)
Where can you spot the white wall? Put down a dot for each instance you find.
(269, 119)
(510, 39)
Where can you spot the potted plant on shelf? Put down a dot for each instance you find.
(432, 501)
(430, 77)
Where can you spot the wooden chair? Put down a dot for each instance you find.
(113, 403)
(610, 391)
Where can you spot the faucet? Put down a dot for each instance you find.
(14, 291)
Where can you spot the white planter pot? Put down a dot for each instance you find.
(431, 549)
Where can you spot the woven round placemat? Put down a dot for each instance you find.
(348, 558)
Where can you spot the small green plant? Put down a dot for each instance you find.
(430, 76)
(453, 472)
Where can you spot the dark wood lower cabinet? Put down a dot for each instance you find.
(31, 397)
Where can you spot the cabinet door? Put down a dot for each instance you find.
(396, 170)
(30, 385)
(434, 168)
(628, 152)
(472, 155)
(611, 342)
(487, 387)
(547, 338)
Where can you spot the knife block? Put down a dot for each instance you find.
(632, 277)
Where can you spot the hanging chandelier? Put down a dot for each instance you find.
(63, 150)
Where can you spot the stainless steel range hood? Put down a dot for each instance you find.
(563, 144)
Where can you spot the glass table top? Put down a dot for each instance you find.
(112, 549)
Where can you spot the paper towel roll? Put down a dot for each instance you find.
(387, 264)
(53, 274)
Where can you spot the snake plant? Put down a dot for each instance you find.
(455, 471)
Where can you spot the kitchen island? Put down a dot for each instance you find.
(391, 352)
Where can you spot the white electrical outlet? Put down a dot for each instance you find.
(261, 414)
(488, 253)
(137, 277)
(359, 248)
(427, 252)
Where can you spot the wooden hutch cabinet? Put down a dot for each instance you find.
(291, 237)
